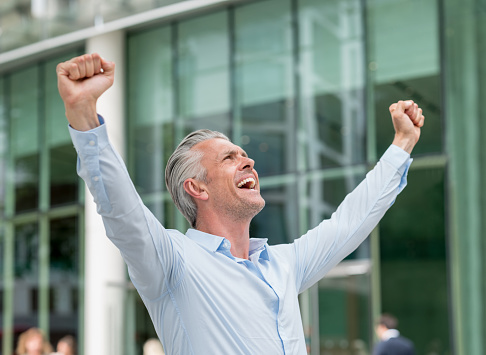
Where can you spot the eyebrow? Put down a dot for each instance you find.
(233, 152)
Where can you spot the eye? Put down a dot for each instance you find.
(227, 157)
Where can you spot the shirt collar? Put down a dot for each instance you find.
(259, 245)
(213, 242)
(390, 333)
(208, 241)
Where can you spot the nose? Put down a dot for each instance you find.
(247, 163)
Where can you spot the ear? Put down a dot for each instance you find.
(196, 189)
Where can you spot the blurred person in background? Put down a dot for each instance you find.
(33, 342)
(66, 346)
(391, 342)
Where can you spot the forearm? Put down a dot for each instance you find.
(332, 240)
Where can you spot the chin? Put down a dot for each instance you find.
(259, 206)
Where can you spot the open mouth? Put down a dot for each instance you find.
(248, 183)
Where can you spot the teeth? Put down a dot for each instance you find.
(247, 180)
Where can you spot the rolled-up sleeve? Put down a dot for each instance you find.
(321, 248)
(145, 245)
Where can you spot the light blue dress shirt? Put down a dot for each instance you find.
(201, 299)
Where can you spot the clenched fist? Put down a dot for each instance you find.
(81, 81)
(407, 119)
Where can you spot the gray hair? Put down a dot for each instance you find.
(183, 164)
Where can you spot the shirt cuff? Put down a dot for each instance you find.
(92, 141)
(400, 160)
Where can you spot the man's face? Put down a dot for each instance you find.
(232, 182)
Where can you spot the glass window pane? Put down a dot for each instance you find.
(26, 183)
(413, 257)
(25, 137)
(331, 82)
(426, 92)
(64, 277)
(26, 268)
(265, 125)
(57, 131)
(276, 221)
(323, 196)
(344, 309)
(203, 73)
(406, 76)
(62, 170)
(63, 177)
(150, 108)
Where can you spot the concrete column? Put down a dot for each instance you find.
(105, 274)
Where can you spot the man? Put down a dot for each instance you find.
(214, 290)
(391, 342)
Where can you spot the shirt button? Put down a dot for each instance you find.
(226, 244)
(91, 143)
(96, 178)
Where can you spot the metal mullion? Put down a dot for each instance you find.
(81, 278)
(9, 245)
(43, 283)
(371, 158)
(65, 211)
(44, 202)
(8, 288)
(235, 130)
(29, 217)
(180, 222)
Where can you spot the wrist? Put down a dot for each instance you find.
(82, 117)
(405, 142)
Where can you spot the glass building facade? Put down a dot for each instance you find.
(41, 215)
(304, 87)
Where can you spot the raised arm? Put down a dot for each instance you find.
(321, 248)
(81, 81)
(146, 246)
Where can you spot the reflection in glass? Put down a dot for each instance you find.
(413, 257)
(25, 140)
(64, 180)
(331, 52)
(150, 109)
(62, 170)
(26, 183)
(64, 276)
(264, 85)
(344, 299)
(203, 73)
(425, 91)
(26, 269)
(399, 77)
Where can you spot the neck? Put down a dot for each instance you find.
(237, 232)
